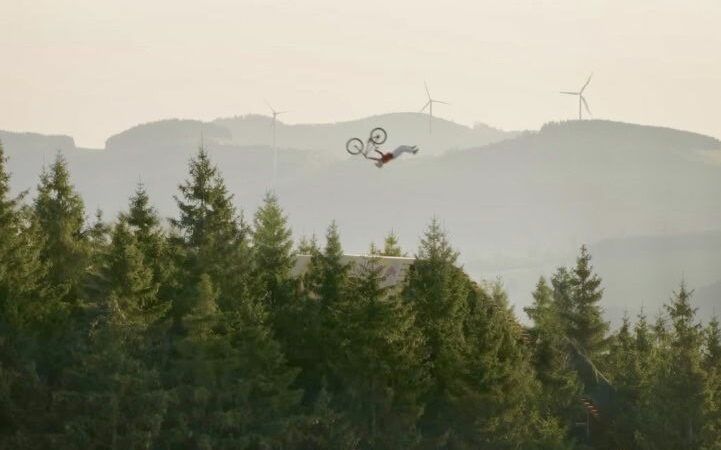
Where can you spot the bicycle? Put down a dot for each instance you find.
(377, 137)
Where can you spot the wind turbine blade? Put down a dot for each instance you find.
(438, 101)
(570, 93)
(425, 106)
(280, 112)
(427, 91)
(271, 108)
(588, 110)
(587, 81)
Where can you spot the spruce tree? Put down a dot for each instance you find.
(551, 359)
(143, 221)
(678, 395)
(561, 282)
(380, 364)
(110, 395)
(499, 405)
(587, 327)
(712, 345)
(66, 253)
(214, 240)
(711, 433)
(315, 346)
(272, 251)
(21, 270)
(60, 215)
(438, 292)
(109, 398)
(628, 373)
(23, 393)
(126, 281)
(390, 246)
(577, 294)
(229, 382)
(307, 246)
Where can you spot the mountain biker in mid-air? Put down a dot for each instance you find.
(378, 136)
(386, 157)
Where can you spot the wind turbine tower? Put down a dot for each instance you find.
(275, 150)
(429, 105)
(581, 98)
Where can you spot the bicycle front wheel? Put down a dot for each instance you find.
(378, 136)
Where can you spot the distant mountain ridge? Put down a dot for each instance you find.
(36, 142)
(402, 128)
(167, 134)
(330, 138)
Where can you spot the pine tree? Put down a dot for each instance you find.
(60, 215)
(109, 395)
(499, 407)
(214, 241)
(328, 276)
(587, 328)
(390, 246)
(126, 282)
(272, 251)
(712, 335)
(229, 381)
(562, 281)
(678, 394)
(66, 253)
(307, 246)
(109, 398)
(711, 433)
(314, 346)
(21, 271)
(551, 359)
(23, 393)
(144, 223)
(380, 368)
(628, 369)
(98, 234)
(438, 292)
(577, 294)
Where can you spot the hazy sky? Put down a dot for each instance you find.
(91, 68)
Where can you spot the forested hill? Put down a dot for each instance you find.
(35, 142)
(403, 128)
(329, 138)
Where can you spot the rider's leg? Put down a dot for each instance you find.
(404, 149)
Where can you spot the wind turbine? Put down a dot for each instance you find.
(275, 150)
(581, 98)
(429, 105)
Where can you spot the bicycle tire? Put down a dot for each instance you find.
(354, 146)
(378, 135)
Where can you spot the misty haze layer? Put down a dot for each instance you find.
(645, 199)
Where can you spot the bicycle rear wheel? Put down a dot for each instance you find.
(354, 146)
